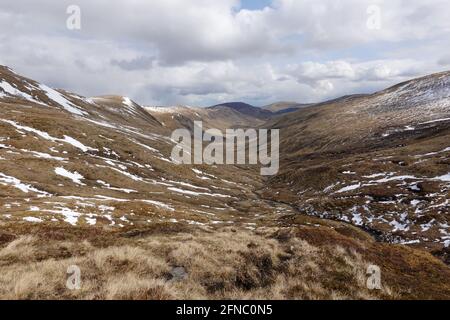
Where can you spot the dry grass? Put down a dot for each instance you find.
(227, 264)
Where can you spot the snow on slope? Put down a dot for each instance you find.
(16, 183)
(130, 106)
(59, 99)
(74, 176)
(173, 109)
(430, 93)
(8, 89)
(69, 140)
(13, 85)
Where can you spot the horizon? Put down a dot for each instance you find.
(310, 103)
(245, 102)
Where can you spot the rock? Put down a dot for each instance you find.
(178, 274)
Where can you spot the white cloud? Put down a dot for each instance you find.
(202, 51)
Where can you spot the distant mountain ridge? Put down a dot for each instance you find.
(246, 109)
(285, 107)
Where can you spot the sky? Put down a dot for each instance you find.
(203, 52)
(255, 4)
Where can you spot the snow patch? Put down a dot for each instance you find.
(46, 136)
(78, 144)
(75, 176)
(444, 178)
(33, 219)
(16, 183)
(59, 99)
(159, 204)
(9, 89)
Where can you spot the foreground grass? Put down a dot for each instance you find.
(271, 263)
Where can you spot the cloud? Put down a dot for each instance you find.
(340, 70)
(202, 51)
(139, 63)
(444, 61)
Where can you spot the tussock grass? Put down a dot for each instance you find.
(228, 264)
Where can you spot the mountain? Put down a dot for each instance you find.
(89, 182)
(245, 109)
(223, 116)
(219, 118)
(285, 107)
(91, 152)
(379, 161)
(123, 109)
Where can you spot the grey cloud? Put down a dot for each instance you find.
(444, 61)
(195, 51)
(140, 63)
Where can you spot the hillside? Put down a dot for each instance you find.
(219, 118)
(245, 109)
(380, 162)
(285, 107)
(89, 182)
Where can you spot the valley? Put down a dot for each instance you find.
(89, 181)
